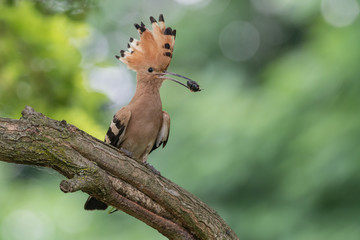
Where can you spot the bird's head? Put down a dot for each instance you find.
(151, 55)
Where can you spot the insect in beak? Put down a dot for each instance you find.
(191, 84)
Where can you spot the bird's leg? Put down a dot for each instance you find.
(129, 154)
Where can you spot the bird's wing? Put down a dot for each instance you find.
(163, 134)
(116, 131)
(114, 136)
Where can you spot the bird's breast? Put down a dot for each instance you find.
(142, 130)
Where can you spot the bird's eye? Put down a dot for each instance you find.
(150, 69)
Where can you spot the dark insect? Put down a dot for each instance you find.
(193, 86)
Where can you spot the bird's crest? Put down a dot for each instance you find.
(154, 49)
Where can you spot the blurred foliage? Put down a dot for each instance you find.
(39, 66)
(271, 143)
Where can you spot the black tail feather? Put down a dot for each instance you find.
(94, 204)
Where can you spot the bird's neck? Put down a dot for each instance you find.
(147, 90)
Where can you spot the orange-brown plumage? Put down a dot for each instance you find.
(142, 125)
(149, 57)
(154, 49)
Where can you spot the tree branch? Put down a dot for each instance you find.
(102, 171)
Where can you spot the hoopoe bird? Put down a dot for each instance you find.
(142, 126)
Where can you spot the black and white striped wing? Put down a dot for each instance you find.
(163, 134)
(116, 131)
(114, 136)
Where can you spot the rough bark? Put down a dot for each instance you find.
(102, 171)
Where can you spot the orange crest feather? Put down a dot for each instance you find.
(154, 49)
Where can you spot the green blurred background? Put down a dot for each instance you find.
(272, 143)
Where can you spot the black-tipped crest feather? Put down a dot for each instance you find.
(152, 19)
(155, 46)
(161, 18)
(168, 31)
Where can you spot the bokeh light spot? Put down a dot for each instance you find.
(23, 90)
(271, 7)
(25, 224)
(339, 13)
(239, 40)
(192, 2)
(115, 82)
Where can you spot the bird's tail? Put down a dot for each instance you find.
(94, 204)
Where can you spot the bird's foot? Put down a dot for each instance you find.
(152, 169)
(126, 152)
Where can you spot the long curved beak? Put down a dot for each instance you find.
(190, 84)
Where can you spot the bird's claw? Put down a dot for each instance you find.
(152, 169)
